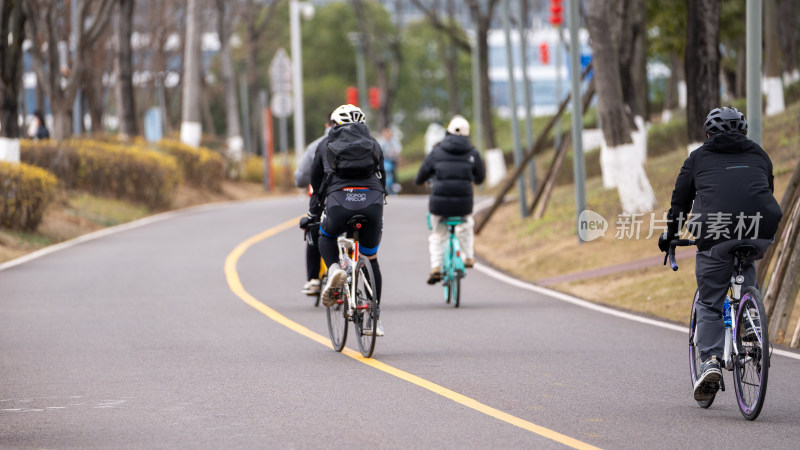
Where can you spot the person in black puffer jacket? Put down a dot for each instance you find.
(728, 185)
(454, 165)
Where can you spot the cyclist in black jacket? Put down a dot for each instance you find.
(454, 165)
(348, 179)
(728, 185)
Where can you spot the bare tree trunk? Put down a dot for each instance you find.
(702, 64)
(633, 56)
(126, 106)
(235, 142)
(741, 70)
(483, 21)
(787, 26)
(61, 86)
(604, 20)
(772, 60)
(671, 92)
(12, 22)
(191, 128)
(93, 93)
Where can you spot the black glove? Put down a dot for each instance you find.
(308, 220)
(663, 241)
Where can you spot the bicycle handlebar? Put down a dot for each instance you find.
(671, 252)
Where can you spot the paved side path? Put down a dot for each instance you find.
(617, 268)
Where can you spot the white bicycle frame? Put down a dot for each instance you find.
(346, 245)
(730, 344)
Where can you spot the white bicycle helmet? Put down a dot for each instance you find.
(347, 114)
(458, 126)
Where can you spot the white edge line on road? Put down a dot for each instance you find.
(105, 232)
(595, 307)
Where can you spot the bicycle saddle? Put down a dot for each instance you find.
(746, 251)
(455, 220)
(357, 221)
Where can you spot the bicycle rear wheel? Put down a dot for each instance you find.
(751, 365)
(694, 353)
(337, 322)
(367, 312)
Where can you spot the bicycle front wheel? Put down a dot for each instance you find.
(694, 353)
(337, 323)
(751, 365)
(365, 319)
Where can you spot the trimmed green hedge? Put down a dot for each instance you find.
(123, 171)
(201, 167)
(25, 193)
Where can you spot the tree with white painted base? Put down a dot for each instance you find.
(623, 151)
(191, 127)
(12, 21)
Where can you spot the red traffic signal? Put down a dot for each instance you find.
(351, 93)
(374, 98)
(544, 54)
(555, 12)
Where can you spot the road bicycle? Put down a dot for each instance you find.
(356, 300)
(323, 269)
(747, 348)
(453, 269)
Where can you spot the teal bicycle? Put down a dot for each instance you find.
(453, 269)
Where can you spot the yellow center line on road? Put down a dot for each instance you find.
(236, 286)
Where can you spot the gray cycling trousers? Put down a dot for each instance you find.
(713, 270)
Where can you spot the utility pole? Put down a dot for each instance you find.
(512, 103)
(577, 112)
(295, 8)
(753, 76)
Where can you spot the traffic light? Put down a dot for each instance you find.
(352, 95)
(544, 54)
(374, 98)
(555, 12)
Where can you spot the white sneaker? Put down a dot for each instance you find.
(311, 287)
(378, 330)
(336, 279)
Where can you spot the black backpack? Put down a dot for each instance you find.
(352, 153)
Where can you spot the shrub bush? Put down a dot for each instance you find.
(122, 171)
(25, 191)
(253, 169)
(668, 136)
(201, 167)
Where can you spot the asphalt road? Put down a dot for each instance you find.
(142, 339)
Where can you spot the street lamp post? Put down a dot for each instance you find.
(578, 169)
(295, 9)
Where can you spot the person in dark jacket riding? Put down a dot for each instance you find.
(454, 165)
(728, 185)
(348, 179)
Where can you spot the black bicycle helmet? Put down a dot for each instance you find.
(726, 118)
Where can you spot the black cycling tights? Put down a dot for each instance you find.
(330, 254)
